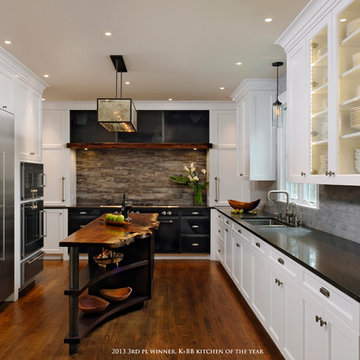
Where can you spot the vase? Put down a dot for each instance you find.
(198, 197)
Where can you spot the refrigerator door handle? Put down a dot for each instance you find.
(3, 207)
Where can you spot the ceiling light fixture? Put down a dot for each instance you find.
(343, 20)
(7, 42)
(43, 99)
(277, 120)
(127, 82)
(222, 88)
(46, 75)
(170, 99)
(239, 63)
(117, 114)
(268, 20)
(108, 34)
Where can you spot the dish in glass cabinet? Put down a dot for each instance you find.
(91, 304)
(120, 294)
(352, 26)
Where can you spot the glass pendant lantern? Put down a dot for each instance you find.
(277, 119)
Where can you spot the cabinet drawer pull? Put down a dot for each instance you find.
(83, 212)
(216, 189)
(322, 322)
(195, 213)
(239, 231)
(195, 244)
(325, 292)
(82, 226)
(166, 222)
(281, 261)
(257, 244)
(219, 250)
(63, 188)
(317, 318)
(32, 153)
(302, 173)
(195, 226)
(4, 107)
(219, 231)
(238, 245)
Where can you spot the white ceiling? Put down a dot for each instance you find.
(183, 49)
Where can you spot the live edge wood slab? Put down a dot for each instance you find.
(136, 242)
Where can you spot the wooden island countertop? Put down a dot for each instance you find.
(112, 236)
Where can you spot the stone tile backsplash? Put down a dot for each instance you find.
(338, 214)
(103, 176)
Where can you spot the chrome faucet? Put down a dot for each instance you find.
(290, 208)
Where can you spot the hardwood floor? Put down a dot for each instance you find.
(194, 306)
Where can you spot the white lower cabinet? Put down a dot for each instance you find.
(260, 286)
(326, 336)
(285, 318)
(55, 230)
(307, 318)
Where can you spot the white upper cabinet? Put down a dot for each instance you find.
(27, 106)
(323, 67)
(256, 139)
(6, 91)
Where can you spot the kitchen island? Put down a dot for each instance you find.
(136, 242)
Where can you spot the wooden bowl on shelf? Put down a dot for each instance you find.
(108, 257)
(246, 206)
(120, 294)
(91, 304)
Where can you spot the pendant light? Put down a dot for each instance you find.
(277, 120)
(117, 114)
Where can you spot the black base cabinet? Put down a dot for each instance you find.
(182, 230)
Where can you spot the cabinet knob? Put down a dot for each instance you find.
(322, 322)
(219, 231)
(32, 153)
(227, 222)
(281, 261)
(302, 173)
(169, 213)
(219, 216)
(195, 226)
(226, 230)
(239, 231)
(317, 318)
(219, 250)
(238, 245)
(257, 244)
(4, 107)
(241, 174)
(163, 213)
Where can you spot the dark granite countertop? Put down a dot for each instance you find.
(335, 259)
(133, 205)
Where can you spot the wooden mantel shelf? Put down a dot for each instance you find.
(116, 145)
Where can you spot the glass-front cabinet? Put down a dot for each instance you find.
(318, 50)
(348, 25)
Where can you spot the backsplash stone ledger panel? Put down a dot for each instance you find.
(143, 175)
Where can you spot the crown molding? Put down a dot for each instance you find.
(310, 16)
(248, 85)
(19, 71)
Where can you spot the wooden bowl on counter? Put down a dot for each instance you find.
(120, 294)
(91, 304)
(246, 206)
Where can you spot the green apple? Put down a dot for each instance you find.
(120, 218)
(108, 217)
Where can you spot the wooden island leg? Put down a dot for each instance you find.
(74, 300)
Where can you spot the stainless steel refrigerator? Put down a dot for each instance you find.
(6, 204)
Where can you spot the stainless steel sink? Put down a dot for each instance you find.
(266, 222)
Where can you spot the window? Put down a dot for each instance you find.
(301, 194)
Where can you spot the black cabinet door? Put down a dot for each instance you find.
(167, 237)
(84, 127)
(186, 126)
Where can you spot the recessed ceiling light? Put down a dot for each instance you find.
(46, 75)
(170, 99)
(268, 20)
(239, 63)
(343, 20)
(7, 42)
(108, 33)
(233, 99)
(127, 82)
(222, 88)
(43, 99)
